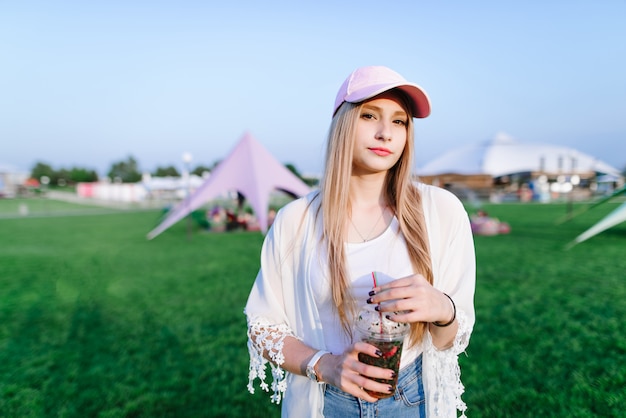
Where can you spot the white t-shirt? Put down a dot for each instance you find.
(386, 255)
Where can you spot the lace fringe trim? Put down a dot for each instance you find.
(445, 391)
(263, 337)
(446, 388)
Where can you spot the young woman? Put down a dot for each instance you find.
(369, 219)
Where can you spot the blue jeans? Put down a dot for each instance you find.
(408, 401)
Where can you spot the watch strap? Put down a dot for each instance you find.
(310, 367)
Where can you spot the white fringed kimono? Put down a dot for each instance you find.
(281, 302)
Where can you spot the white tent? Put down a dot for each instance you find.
(617, 216)
(249, 169)
(503, 155)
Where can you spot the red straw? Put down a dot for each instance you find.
(379, 312)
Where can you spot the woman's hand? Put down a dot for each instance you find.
(346, 372)
(417, 299)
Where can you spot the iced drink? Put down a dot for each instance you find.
(388, 337)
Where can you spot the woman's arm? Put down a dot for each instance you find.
(344, 371)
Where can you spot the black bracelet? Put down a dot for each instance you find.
(437, 324)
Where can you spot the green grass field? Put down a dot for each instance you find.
(96, 321)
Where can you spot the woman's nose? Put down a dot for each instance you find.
(384, 131)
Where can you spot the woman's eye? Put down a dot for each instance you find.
(400, 122)
(367, 116)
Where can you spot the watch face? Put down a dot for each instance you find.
(310, 372)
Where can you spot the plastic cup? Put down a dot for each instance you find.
(388, 337)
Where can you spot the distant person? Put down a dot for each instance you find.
(483, 224)
(232, 223)
(320, 255)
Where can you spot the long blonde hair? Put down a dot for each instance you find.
(400, 193)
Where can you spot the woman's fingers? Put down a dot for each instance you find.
(399, 288)
(365, 348)
(355, 377)
(393, 297)
(358, 384)
(413, 279)
(366, 385)
(409, 299)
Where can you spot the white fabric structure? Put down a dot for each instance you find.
(503, 155)
(616, 217)
(249, 169)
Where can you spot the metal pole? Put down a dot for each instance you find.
(187, 160)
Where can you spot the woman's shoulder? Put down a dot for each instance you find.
(436, 195)
(296, 209)
(443, 210)
(300, 204)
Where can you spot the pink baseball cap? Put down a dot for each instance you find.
(367, 82)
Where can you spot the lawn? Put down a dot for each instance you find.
(97, 321)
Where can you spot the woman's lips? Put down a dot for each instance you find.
(380, 151)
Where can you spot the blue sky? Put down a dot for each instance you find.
(88, 83)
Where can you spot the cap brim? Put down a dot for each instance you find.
(420, 104)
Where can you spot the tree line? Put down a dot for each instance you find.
(125, 171)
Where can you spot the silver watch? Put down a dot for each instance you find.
(310, 368)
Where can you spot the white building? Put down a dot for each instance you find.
(11, 179)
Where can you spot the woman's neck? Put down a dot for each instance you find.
(367, 191)
(369, 215)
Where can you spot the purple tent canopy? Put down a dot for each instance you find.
(249, 169)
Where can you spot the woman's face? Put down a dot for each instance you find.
(381, 135)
